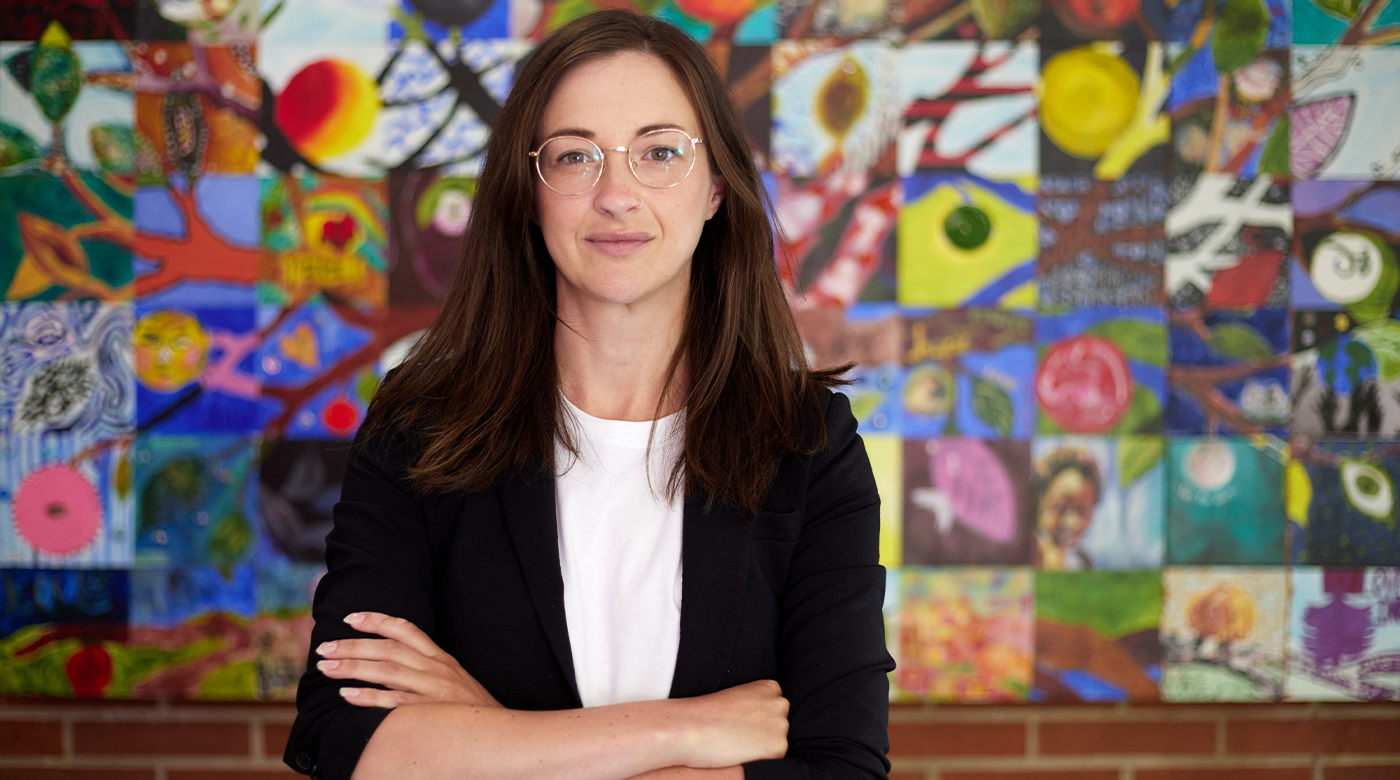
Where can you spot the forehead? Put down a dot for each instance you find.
(614, 96)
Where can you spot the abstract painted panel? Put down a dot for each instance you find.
(835, 108)
(196, 370)
(1345, 375)
(63, 633)
(196, 500)
(1345, 123)
(1096, 636)
(66, 501)
(1098, 502)
(1229, 372)
(196, 626)
(1228, 108)
(197, 242)
(968, 373)
(746, 22)
(230, 21)
(1101, 242)
(1342, 503)
(1225, 500)
(967, 501)
(963, 635)
(1224, 632)
(1346, 239)
(1127, 128)
(1344, 634)
(1321, 21)
(65, 236)
(323, 235)
(912, 20)
(1102, 371)
(1228, 242)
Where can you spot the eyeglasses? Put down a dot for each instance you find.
(570, 165)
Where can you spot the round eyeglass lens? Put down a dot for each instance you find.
(662, 158)
(569, 165)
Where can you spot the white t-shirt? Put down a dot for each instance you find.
(620, 555)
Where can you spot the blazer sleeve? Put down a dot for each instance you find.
(377, 557)
(833, 661)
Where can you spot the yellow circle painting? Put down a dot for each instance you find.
(171, 349)
(1089, 99)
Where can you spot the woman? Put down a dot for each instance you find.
(606, 477)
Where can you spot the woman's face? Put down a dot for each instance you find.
(622, 242)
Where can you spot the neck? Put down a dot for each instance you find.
(613, 360)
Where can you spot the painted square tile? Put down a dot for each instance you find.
(66, 236)
(63, 633)
(963, 635)
(1102, 371)
(316, 22)
(1229, 372)
(967, 241)
(969, 107)
(1225, 500)
(1128, 129)
(968, 372)
(1096, 636)
(197, 110)
(1344, 634)
(1345, 375)
(196, 370)
(323, 235)
(967, 501)
(66, 501)
(25, 20)
(196, 625)
(835, 108)
(198, 245)
(1101, 242)
(1341, 501)
(299, 482)
(1229, 242)
(68, 368)
(1346, 236)
(1099, 502)
(867, 334)
(1224, 632)
(1228, 111)
(66, 104)
(196, 500)
(1345, 122)
(836, 243)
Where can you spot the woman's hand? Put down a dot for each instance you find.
(406, 661)
(745, 723)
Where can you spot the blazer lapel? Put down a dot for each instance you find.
(530, 515)
(714, 573)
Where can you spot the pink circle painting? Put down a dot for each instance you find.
(57, 510)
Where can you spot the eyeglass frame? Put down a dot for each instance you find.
(632, 166)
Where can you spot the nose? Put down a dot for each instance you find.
(618, 190)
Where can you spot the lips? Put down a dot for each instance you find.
(618, 243)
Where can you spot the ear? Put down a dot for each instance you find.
(716, 195)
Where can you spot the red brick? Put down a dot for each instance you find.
(162, 738)
(37, 701)
(228, 775)
(1029, 775)
(1167, 736)
(86, 774)
(275, 737)
(957, 739)
(1387, 772)
(1313, 736)
(31, 738)
(1233, 773)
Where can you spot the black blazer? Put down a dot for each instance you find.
(794, 595)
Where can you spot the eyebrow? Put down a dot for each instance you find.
(589, 134)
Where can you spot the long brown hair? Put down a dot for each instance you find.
(480, 390)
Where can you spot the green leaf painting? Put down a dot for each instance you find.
(1142, 341)
(1239, 341)
(992, 404)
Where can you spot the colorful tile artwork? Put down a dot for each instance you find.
(1119, 286)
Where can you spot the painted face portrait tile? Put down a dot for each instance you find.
(196, 370)
(1099, 502)
(1096, 636)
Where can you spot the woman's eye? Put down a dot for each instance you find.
(660, 154)
(573, 158)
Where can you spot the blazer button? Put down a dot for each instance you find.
(303, 761)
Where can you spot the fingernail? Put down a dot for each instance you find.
(349, 693)
(355, 618)
(326, 647)
(323, 665)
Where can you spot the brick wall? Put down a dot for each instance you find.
(48, 740)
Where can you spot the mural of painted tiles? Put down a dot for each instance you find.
(68, 368)
(1101, 242)
(968, 373)
(1345, 375)
(196, 624)
(1096, 636)
(323, 235)
(197, 242)
(1098, 502)
(969, 108)
(1228, 242)
(963, 635)
(66, 501)
(1344, 634)
(1345, 123)
(196, 110)
(196, 500)
(967, 501)
(1225, 500)
(196, 370)
(96, 20)
(63, 633)
(867, 334)
(1127, 128)
(1346, 239)
(1342, 503)
(1321, 21)
(1223, 631)
(1102, 371)
(1227, 108)
(1229, 372)
(966, 241)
